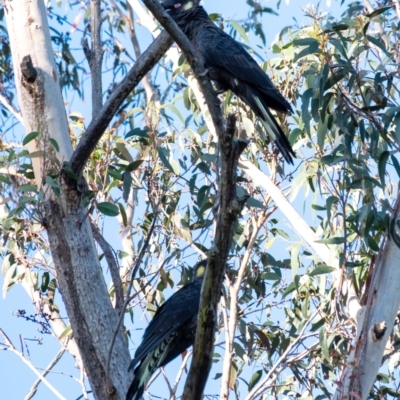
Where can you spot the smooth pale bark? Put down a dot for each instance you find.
(382, 305)
(80, 278)
(42, 106)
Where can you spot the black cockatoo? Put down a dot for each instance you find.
(231, 67)
(171, 331)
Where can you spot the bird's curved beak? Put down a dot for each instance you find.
(168, 5)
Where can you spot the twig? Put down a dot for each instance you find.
(382, 32)
(10, 347)
(198, 69)
(397, 7)
(180, 372)
(122, 314)
(34, 387)
(11, 109)
(260, 387)
(112, 266)
(233, 292)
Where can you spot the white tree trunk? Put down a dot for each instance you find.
(80, 278)
(41, 104)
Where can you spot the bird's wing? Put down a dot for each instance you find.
(178, 309)
(220, 50)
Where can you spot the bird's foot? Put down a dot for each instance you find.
(204, 73)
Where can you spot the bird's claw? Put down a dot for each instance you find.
(204, 73)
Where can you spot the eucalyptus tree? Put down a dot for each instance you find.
(310, 295)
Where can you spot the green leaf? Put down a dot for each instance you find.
(252, 202)
(8, 279)
(123, 214)
(317, 207)
(164, 155)
(108, 209)
(255, 379)
(71, 174)
(138, 132)
(66, 332)
(396, 164)
(305, 42)
(27, 188)
(133, 166)
(45, 281)
(334, 240)
(4, 179)
(289, 289)
(175, 111)
(29, 137)
(239, 29)
(321, 134)
(382, 166)
(271, 276)
(372, 243)
(323, 343)
(320, 270)
(377, 42)
(54, 144)
(36, 154)
(127, 184)
(378, 12)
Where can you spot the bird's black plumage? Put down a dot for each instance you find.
(170, 333)
(231, 67)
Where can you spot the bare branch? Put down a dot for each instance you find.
(180, 372)
(133, 274)
(11, 109)
(96, 56)
(230, 208)
(234, 292)
(11, 347)
(256, 391)
(112, 265)
(53, 362)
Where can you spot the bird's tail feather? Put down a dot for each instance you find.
(136, 389)
(275, 131)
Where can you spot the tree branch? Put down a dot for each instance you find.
(100, 122)
(198, 69)
(229, 209)
(53, 362)
(96, 59)
(11, 109)
(234, 293)
(11, 347)
(112, 265)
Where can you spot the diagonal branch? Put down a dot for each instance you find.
(112, 266)
(11, 347)
(53, 362)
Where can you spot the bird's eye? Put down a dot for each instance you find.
(177, 5)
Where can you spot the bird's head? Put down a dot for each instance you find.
(200, 269)
(177, 7)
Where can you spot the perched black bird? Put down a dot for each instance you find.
(231, 67)
(170, 333)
